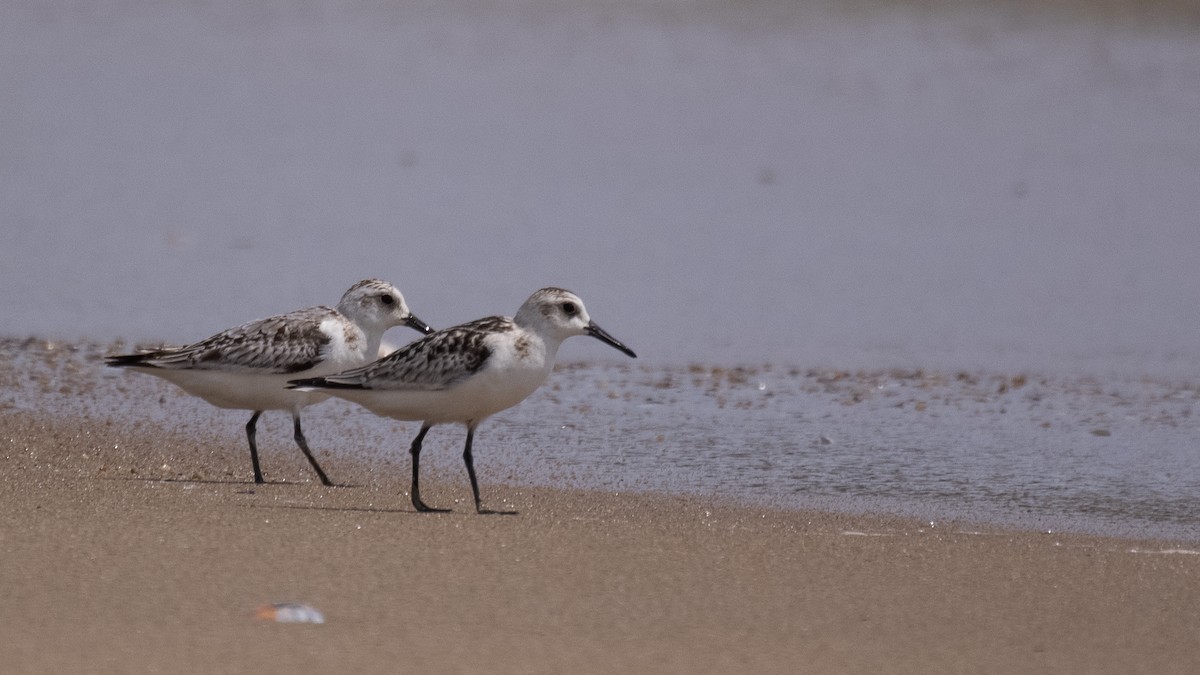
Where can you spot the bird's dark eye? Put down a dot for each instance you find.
(568, 308)
(386, 299)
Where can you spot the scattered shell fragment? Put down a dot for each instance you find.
(289, 612)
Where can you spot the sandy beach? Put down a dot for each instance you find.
(108, 568)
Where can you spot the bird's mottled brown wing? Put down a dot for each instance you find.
(288, 343)
(434, 362)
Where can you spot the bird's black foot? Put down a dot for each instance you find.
(493, 512)
(422, 507)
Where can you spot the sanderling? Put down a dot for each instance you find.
(466, 373)
(247, 367)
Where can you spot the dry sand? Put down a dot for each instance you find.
(108, 568)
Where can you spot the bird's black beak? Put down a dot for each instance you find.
(418, 325)
(601, 335)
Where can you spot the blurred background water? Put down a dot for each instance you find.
(997, 187)
(883, 183)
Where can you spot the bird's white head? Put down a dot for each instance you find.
(376, 304)
(558, 314)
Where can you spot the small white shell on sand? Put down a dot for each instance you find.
(289, 612)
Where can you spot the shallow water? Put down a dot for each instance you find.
(1049, 453)
(1001, 186)
(903, 191)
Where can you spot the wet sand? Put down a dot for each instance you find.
(109, 568)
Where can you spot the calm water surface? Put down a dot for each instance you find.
(974, 185)
(1050, 453)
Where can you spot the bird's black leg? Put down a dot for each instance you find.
(300, 441)
(416, 466)
(469, 460)
(258, 477)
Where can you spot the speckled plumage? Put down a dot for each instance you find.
(466, 373)
(247, 367)
(289, 343)
(435, 362)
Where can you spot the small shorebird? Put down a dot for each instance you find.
(466, 373)
(247, 367)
